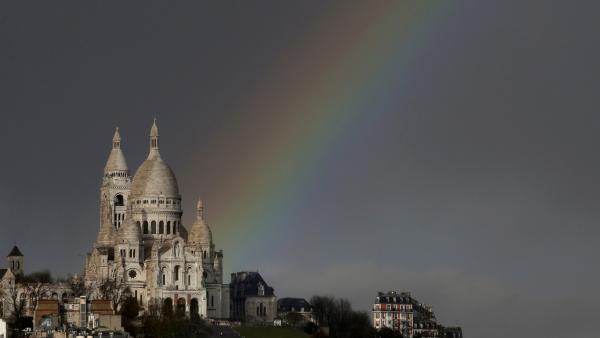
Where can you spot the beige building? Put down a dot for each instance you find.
(401, 312)
(143, 245)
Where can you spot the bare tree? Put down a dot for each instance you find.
(36, 285)
(115, 290)
(16, 300)
(79, 287)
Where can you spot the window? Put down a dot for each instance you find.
(161, 227)
(168, 227)
(212, 301)
(261, 290)
(164, 278)
(119, 201)
(145, 201)
(145, 227)
(189, 280)
(153, 227)
(176, 273)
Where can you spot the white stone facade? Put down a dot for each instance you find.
(142, 243)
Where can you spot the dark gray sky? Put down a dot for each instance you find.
(475, 186)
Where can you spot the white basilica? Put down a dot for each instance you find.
(142, 243)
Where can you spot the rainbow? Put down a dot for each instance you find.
(344, 78)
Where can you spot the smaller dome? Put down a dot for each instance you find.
(116, 159)
(200, 232)
(129, 231)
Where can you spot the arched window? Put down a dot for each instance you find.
(212, 301)
(161, 227)
(164, 277)
(174, 227)
(119, 202)
(176, 273)
(167, 306)
(194, 307)
(204, 254)
(168, 227)
(145, 227)
(153, 227)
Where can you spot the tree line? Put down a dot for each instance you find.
(335, 318)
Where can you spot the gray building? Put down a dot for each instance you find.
(252, 299)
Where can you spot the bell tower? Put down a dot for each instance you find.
(15, 261)
(114, 193)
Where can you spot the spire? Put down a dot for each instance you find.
(15, 252)
(154, 140)
(117, 139)
(200, 209)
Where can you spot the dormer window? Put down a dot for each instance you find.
(261, 290)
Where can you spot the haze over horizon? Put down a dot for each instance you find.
(449, 150)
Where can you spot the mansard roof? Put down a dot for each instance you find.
(393, 297)
(293, 304)
(15, 252)
(248, 281)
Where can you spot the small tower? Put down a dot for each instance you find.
(154, 147)
(15, 261)
(114, 193)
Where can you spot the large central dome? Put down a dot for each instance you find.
(154, 177)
